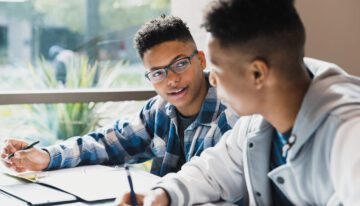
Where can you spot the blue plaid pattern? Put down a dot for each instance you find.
(152, 135)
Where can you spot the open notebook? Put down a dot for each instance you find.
(92, 183)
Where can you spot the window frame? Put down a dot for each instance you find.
(73, 96)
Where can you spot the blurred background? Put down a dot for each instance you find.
(52, 45)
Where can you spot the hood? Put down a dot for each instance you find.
(330, 89)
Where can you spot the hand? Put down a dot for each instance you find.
(157, 197)
(33, 159)
(125, 200)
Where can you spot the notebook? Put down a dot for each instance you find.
(89, 183)
(36, 194)
(6, 199)
(95, 184)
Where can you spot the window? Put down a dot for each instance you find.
(52, 45)
(51, 36)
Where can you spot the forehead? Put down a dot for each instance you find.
(217, 53)
(220, 54)
(163, 53)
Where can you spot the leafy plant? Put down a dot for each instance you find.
(61, 121)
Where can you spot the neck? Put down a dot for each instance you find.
(195, 105)
(285, 104)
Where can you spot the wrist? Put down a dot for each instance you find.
(46, 158)
(164, 194)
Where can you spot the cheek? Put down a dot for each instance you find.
(159, 88)
(223, 88)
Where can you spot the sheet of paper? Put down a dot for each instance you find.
(34, 176)
(8, 180)
(48, 195)
(6, 199)
(31, 176)
(24, 190)
(92, 184)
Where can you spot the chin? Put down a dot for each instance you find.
(180, 104)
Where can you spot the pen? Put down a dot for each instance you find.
(25, 148)
(132, 193)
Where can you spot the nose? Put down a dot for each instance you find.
(212, 79)
(172, 78)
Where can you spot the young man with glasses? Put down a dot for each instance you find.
(183, 120)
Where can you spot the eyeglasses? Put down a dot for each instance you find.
(177, 67)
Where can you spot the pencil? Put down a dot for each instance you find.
(132, 192)
(25, 148)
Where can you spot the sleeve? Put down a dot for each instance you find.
(345, 162)
(125, 142)
(216, 174)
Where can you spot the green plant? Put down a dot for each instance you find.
(61, 121)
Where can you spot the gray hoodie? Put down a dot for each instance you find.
(323, 165)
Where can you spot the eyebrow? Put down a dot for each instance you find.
(172, 61)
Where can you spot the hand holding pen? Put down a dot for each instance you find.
(157, 196)
(132, 192)
(25, 148)
(21, 156)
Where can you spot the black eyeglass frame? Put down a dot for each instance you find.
(168, 67)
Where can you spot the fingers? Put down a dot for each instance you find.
(20, 169)
(7, 150)
(18, 160)
(140, 199)
(125, 200)
(11, 146)
(3, 153)
(9, 164)
(16, 143)
(6, 162)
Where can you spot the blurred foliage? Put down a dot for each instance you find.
(61, 121)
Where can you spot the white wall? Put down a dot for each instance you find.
(191, 12)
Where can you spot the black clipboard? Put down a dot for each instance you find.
(36, 194)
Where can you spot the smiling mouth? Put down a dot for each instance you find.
(177, 92)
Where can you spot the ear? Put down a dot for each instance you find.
(212, 79)
(202, 59)
(259, 73)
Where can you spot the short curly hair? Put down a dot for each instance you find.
(273, 25)
(159, 30)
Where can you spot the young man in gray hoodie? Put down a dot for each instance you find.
(302, 147)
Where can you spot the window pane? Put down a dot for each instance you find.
(73, 44)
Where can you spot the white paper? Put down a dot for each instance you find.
(92, 183)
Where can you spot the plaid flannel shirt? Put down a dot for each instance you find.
(152, 135)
